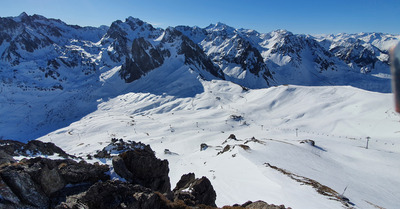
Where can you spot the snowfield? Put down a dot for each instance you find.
(264, 160)
(328, 145)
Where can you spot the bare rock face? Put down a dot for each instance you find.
(144, 58)
(146, 169)
(195, 191)
(119, 146)
(32, 148)
(262, 205)
(50, 180)
(5, 158)
(7, 198)
(41, 183)
(36, 182)
(68, 171)
(121, 169)
(83, 172)
(117, 194)
(27, 191)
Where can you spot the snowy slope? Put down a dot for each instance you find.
(175, 89)
(46, 59)
(53, 74)
(338, 119)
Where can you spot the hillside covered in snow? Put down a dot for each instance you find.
(279, 117)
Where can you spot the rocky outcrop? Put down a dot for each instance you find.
(64, 183)
(195, 191)
(33, 183)
(144, 58)
(358, 52)
(308, 141)
(32, 148)
(262, 205)
(140, 166)
(5, 158)
(117, 194)
(118, 146)
(194, 55)
(22, 185)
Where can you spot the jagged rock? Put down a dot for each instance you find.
(50, 180)
(308, 141)
(68, 171)
(262, 205)
(83, 172)
(117, 194)
(39, 182)
(25, 188)
(118, 146)
(10, 147)
(195, 191)
(253, 139)
(7, 198)
(232, 136)
(226, 149)
(144, 58)
(68, 196)
(34, 147)
(231, 147)
(236, 118)
(44, 148)
(184, 181)
(147, 170)
(5, 158)
(44, 183)
(120, 168)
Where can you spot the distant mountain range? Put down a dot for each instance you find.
(52, 73)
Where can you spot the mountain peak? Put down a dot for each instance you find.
(134, 19)
(283, 31)
(220, 27)
(23, 15)
(220, 24)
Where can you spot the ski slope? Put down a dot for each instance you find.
(338, 118)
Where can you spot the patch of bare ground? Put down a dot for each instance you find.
(376, 206)
(320, 188)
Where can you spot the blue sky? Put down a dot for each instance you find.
(307, 16)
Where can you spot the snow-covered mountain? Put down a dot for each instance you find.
(359, 60)
(230, 104)
(249, 143)
(53, 73)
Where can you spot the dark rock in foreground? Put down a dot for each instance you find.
(31, 183)
(195, 191)
(117, 194)
(140, 166)
(41, 183)
(261, 205)
(32, 148)
(119, 146)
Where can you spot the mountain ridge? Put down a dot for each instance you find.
(58, 72)
(264, 116)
